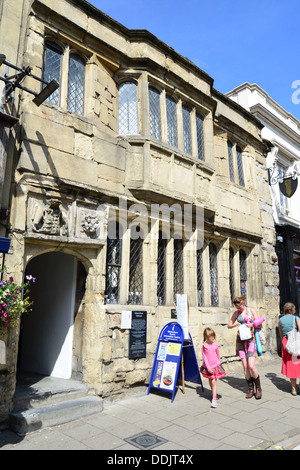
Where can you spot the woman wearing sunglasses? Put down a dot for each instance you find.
(246, 349)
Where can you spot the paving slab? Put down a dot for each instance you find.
(188, 424)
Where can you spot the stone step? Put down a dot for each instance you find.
(26, 421)
(45, 393)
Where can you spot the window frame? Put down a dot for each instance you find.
(200, 136)
(200, 278)
(134, 111)
(178, 266)
(111, 243)
(187, 129)
(62, 93)
(161, 289)
(73, 54)
(155, 118)
(47, 76)
(243, 270)
(235, 153)
(214, 282)
(136, 278)
(171, 125)
(240, 165)
(230, 161)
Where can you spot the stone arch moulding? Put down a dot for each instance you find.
(34, 250)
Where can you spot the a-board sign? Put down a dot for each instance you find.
(175, 358)
(138, 335)
(191, 371)
(167, 358)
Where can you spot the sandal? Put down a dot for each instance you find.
(294, 392)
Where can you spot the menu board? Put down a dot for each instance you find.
(138, 335)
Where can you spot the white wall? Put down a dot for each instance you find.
(47, 332)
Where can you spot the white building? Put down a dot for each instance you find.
(283, 130)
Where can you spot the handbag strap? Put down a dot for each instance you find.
(249, 313)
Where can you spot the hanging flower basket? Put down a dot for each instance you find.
(14, 300)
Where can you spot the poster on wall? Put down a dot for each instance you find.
(138, 335)
(182, 313)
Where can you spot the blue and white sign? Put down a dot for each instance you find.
(171, 349)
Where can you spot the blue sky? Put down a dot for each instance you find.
(234, 41)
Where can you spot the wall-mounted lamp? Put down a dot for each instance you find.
(13, 82)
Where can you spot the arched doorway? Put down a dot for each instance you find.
(46, 339)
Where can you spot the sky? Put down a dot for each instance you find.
(233, 41)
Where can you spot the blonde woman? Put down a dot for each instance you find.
(246, 349)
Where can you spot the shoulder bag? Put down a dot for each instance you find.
(293, 342)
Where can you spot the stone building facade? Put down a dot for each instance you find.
(135, 140)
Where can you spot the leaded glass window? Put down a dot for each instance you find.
(161, 270)
(154, 106)
(128, 109)
(171, 121)
(214, 290)
(200, 136)
(52, 68)
(113, 268)
(239, 157)
(178, 267)
(135, 295)
(200, 291)
(231, 273)
(243, 272)
(76, 84)
(230, 161)
(186, 121)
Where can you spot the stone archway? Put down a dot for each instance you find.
(46, 339)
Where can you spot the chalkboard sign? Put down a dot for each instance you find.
(138, 335)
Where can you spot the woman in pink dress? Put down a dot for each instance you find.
(290, 364)
(211, 367)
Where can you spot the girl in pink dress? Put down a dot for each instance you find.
(211, 367)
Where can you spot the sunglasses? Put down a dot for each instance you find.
(236, 303)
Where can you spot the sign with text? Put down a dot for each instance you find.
(138, 335)
(167, 358)
(172, 352)
(182, 313)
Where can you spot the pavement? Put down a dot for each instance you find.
(151, 423)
